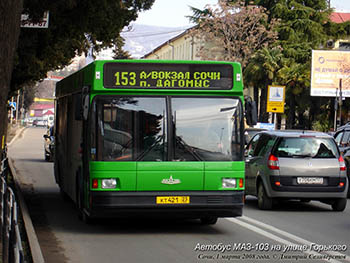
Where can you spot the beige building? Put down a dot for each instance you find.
(180, 47)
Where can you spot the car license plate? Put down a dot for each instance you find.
(173, 199)
(310, 180)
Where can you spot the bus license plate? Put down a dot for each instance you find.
(310, 180)
(173, 199)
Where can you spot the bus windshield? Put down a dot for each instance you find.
(166, 128)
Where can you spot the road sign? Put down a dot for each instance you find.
(275, 99)
(13, 104)
(43, 23)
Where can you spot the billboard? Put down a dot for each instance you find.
(327, 68)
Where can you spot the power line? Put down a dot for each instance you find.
(154, 34)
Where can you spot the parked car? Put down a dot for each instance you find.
(49, 145)
(28, 121)
(303, 165)
(342, 137)
(39, 123)
(250, 132)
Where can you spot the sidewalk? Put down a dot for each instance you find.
(13, 132)
(17, 251)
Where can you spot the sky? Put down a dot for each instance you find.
(171, 13)
(339, 5)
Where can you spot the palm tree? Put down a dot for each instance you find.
(261, 72)
(296, 77)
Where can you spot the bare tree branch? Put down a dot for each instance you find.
(233, 32)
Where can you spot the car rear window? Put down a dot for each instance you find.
(313, 147)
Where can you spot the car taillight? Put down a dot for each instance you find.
(273, 163)
(342, 163)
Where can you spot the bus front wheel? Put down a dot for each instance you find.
(209, 220)
(84, 217)
(79, 201)
(81, 213)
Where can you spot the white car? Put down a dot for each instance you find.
(39, 123)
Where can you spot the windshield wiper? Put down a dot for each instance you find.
(145, 152)
(188, 148)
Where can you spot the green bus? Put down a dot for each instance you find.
(147, 137)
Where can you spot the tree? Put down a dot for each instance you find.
(296, 78)
(304, 26)
(28, 96)
(119, 52)
(9, 30)
(73, 27)
(261, 72)
(233, 31)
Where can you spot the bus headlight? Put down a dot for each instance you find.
(109, 183)
(229, 183)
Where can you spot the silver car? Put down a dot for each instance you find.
(304, 165)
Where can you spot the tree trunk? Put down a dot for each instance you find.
(291, 113)
(263, 116)
(10, 11)
(256, 98)
(301, 120)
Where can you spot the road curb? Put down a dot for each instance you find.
(18, 133)
(34, 245)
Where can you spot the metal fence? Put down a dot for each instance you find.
(12, 251)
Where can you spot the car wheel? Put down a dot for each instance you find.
(339, 205)
(64, 195)
(209, 220)
(50, 157)
(264, 202)
(47, 157)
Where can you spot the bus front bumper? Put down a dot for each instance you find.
(201, 204)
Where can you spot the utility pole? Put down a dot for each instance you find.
(17, 105)
(335, 109)
(340, 99)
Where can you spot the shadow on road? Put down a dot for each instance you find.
(48, 207)
(291, 205)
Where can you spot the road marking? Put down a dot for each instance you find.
(249, 225)
(291, 236)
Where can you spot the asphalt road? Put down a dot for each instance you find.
(292, 232)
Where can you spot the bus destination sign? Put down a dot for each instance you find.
(168, 76)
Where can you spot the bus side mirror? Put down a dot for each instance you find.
(251, 113)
